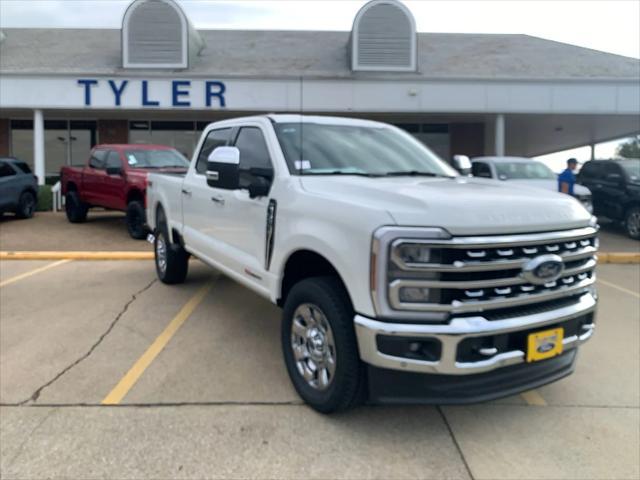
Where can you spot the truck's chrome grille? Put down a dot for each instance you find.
(475, 274)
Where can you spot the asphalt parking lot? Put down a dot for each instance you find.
(216, 401)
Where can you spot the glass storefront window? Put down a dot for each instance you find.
(433, 135)
(65, 142)
(182, 136)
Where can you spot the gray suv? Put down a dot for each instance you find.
(18, 188)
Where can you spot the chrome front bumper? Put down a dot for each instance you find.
(459, 329)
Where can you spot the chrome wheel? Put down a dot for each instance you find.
(313, 346)
(161, 253)
(633, 223)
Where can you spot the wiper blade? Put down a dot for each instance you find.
(342, 172)
(414, 173)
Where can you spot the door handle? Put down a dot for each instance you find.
(186, 192)
(218, 200)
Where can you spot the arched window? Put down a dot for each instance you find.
(383, 37)
(155, 35)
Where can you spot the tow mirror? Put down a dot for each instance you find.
(223, 168)
(462, 164)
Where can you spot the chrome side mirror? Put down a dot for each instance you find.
(462, 164)
(223, 168)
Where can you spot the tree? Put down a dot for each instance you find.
(630, 148)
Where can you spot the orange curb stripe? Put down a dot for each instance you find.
(76, 255)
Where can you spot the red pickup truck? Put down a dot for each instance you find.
(115, 178)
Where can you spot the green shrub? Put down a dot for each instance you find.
(45, 203)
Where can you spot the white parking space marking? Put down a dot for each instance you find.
(33, 272)
(618, 287)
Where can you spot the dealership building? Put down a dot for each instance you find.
(159, 80)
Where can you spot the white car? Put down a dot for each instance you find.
(525, 171)
(400, 281)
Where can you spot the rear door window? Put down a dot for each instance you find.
(98, 158)
(6, 170)
(215, 139)
(479, 169)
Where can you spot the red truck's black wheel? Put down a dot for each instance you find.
(319, 345)
(136, 220)
(75, 209)
(172, 261)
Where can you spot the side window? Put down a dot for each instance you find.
(23, 167)
(591, 171)
(479, 169)
(610, 167)
(253, 153)
(113, 160)
(215, 139)
(97, 159)
(6, 170)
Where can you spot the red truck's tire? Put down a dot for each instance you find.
(136, 220)
(335, 356)
(171, 260)
(75, 209)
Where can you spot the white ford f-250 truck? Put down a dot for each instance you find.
(400, 281)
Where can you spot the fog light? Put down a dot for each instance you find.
(414, 294)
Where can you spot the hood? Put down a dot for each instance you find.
(551, 185)
(463, 205)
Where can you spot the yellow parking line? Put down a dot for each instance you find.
(617, 287)
(76, 255)
(129, 380)
(32, 272)
(532, 397)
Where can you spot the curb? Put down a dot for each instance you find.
(613, 257)
(76, 255)
(619, 257)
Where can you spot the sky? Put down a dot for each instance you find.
(608, 25)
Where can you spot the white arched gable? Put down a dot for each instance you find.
(383, 38)
(155, 35)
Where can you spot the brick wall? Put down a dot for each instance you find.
(113, 131)
(4, 137)
(467, 139)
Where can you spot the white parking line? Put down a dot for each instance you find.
(617, 287)
(32, 272)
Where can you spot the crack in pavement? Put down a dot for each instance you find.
(34, 397)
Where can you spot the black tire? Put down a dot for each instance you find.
(136, 220)
(75, 209)
(632, 222)
(346, 388)
(176, 264)
(26, 205)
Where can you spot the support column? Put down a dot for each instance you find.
(499, 135)
(38, 145)
(593, 151)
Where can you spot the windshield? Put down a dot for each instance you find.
(521, 171)
(319, 149)
(632, 168)
(156, 159)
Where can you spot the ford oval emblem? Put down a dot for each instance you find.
(546, 347)
(543, 269)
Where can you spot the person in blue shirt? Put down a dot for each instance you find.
(567, 179)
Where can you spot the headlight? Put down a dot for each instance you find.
(411, 253)
(399, 269)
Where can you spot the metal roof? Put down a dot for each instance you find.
(317, 54)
